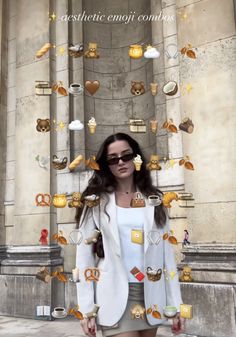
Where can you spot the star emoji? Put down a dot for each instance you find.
(52, 17)
(170, 164)
(61, 51)
(61, 125)
(188, 88)
(172, 274)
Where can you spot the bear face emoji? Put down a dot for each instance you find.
(137, 88)
(43, 125)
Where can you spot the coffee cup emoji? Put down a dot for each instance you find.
(76, 89)
(59, 312)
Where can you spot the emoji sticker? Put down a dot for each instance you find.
(186, 125)
(76, 125)
(75, 237)
(76, 50)
(93, 238)
(59, 200)
(43, 125)
(76, 200)
(154, 237)
(92, 313)
(92, 86)
(76, 89)
(75, 163)
(154, 163)
(59, 88)
(154, 311)
(188, 51)
(186, 162)
(153, 274)
(168, 197)
(170, 238)
(44, 237)
(137, 311)
(44, 275)
(43, 199)
(170, 88)
(60, 238)
(135, 51)
(75, 312)
(43, 88)
(92, 51)
(137, 274)
(186, 274)
(59, 163)
(137, 236)
(42, 161)
(92, 124)
(137, 162)
(42, 51)
(151, 52)
(137, 88)
(92, 274)
(186, 311)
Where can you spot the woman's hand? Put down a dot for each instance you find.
(178, 324)
(89, 326)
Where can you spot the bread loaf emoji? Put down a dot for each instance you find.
(45, 48)
(75, 162)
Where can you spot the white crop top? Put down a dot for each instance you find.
(130, 225)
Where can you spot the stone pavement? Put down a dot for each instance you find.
(68, 327)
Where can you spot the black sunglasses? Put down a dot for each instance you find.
(124, 158)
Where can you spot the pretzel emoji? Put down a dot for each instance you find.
(45, 48)
(43, 199)
(91, 274)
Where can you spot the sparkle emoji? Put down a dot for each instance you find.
(52, 17)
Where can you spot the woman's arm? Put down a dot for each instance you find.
(85, 259)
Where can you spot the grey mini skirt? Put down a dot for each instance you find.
(131, 320)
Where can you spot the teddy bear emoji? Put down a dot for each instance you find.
(154, 163)
(137, 88)
(76, 200)
(186, 275)
(137, 311)
(43, 125)
(92, 51)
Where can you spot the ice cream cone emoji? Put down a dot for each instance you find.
(92, 125)
(154, 125)
(137, 162)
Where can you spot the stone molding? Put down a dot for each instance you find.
(32, 255)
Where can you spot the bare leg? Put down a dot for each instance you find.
(128, 334)
(148, 333)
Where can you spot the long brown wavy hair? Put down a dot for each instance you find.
(103, 181)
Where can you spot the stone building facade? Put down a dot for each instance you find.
(206, 95)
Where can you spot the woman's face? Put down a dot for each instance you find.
(122, 169)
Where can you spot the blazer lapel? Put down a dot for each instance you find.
(148, 222)
(112, 222)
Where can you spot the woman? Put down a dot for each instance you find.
(136, 259)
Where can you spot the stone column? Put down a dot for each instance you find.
(210, 103)
(164, 34)
(3, 114)
(26, 255)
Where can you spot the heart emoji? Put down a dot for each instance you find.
(92, 86)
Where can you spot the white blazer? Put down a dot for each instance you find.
(111, 291)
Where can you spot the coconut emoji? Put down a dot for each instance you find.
(170, 88)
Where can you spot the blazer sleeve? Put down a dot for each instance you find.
(85, 259)
(173, 294)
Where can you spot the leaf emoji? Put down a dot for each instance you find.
(190, 53)
(188, 165)
(62, 277)
(165, 236)
(149, 311)
(62, 240)
(71, 311)
(181, 162)
(183, 50)
(78, 315)
(55, 236)
(62, 91)
(172, 128)
(172, 240)
(54, 273)
(54, 87)
(156, 314)
(165, 125)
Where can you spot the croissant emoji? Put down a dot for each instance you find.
(168, 197)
